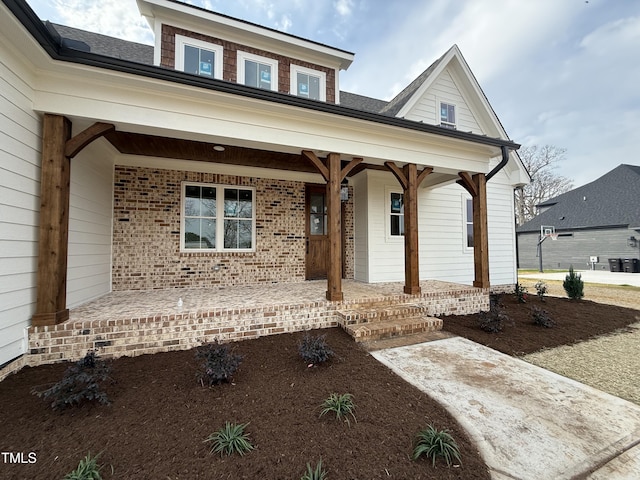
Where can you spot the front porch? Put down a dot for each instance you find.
(150, 321)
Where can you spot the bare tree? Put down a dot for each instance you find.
(545, 183)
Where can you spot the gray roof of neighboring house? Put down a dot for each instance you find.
(104, 45)
(611, 200)
(360, 102)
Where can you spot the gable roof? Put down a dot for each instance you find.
(610, 201)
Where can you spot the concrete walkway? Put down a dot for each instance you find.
(592, 276)
(528, 422)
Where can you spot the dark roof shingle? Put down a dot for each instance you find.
(611, 200)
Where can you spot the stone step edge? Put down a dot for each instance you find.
(393, 328)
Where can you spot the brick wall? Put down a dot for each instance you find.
(146, 234)
(230, 53)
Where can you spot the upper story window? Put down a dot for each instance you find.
(308, 83)
(257, 71)
(217, 218)
(198, 57)
(447, 115)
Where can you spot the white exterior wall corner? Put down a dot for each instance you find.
(90, 223)
(20, 157)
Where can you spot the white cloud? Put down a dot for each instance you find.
(344, 7)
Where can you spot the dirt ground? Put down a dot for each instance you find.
(160, 415)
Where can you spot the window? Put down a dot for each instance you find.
(396, 214)
(308, 83)
(468, 222)
(318, 214)
(198, 57)
(217, 218)
(256, 71)
(447, 115)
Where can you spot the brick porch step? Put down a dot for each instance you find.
(396, 327)
(377, 321)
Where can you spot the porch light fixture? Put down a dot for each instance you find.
(344, 193)
(218, 148)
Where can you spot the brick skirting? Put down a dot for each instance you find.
(163, 333)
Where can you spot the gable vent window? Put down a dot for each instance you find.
(198, 57)
(256, 71)
(447, 115)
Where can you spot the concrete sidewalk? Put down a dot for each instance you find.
(592, 276)
(528, 422)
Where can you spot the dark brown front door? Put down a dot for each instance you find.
(317, 242)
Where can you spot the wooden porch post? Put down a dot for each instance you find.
(333, 173)
(477, 188)
(51, 295)
(58, 147)
(410, 181)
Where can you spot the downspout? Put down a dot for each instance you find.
(501, 165)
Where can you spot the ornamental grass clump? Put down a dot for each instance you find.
(87, 469)
(230, 439)
(317, 473)
(314, 349)
(434, 443)
(341, 405)
(573, 285)
(219, 363)
(81, 382)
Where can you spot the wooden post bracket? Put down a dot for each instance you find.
(75, 144)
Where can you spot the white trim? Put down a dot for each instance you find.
(387, 215)
(465, 198)
(182, 41)
(219, 247)
(295, 69)
(244, 56)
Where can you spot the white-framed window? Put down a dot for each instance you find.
(467, 223)
(447, 115)
(394, 210)
(308, 83)
(217, 218)
(198, 57)
(257, 71)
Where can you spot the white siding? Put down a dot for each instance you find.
(442, 237)
(20, 143)
(445, 90)
(90, 222)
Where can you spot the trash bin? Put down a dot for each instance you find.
(631, 265)
(615, 265)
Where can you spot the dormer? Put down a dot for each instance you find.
(215, 46)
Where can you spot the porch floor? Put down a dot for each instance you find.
(150, 321)
(163, 303)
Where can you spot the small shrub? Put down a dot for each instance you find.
(573, 285)
(87, 469)
(541, 317)
(81, 382)
(230, 439)
(495, 301)
(541, 289)
(341, 405)
(314, 349)
(218, 365)
(493, 321)
(436, 443)
(521, 293)
(314, 474)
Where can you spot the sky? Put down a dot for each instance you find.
(557, 72)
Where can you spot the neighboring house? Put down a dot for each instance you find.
(600, 219)
(226, 154)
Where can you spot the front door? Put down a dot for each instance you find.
(317, 241)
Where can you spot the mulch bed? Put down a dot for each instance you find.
(160, 415)
(575, 321)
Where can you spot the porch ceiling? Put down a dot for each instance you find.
(129, 143)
